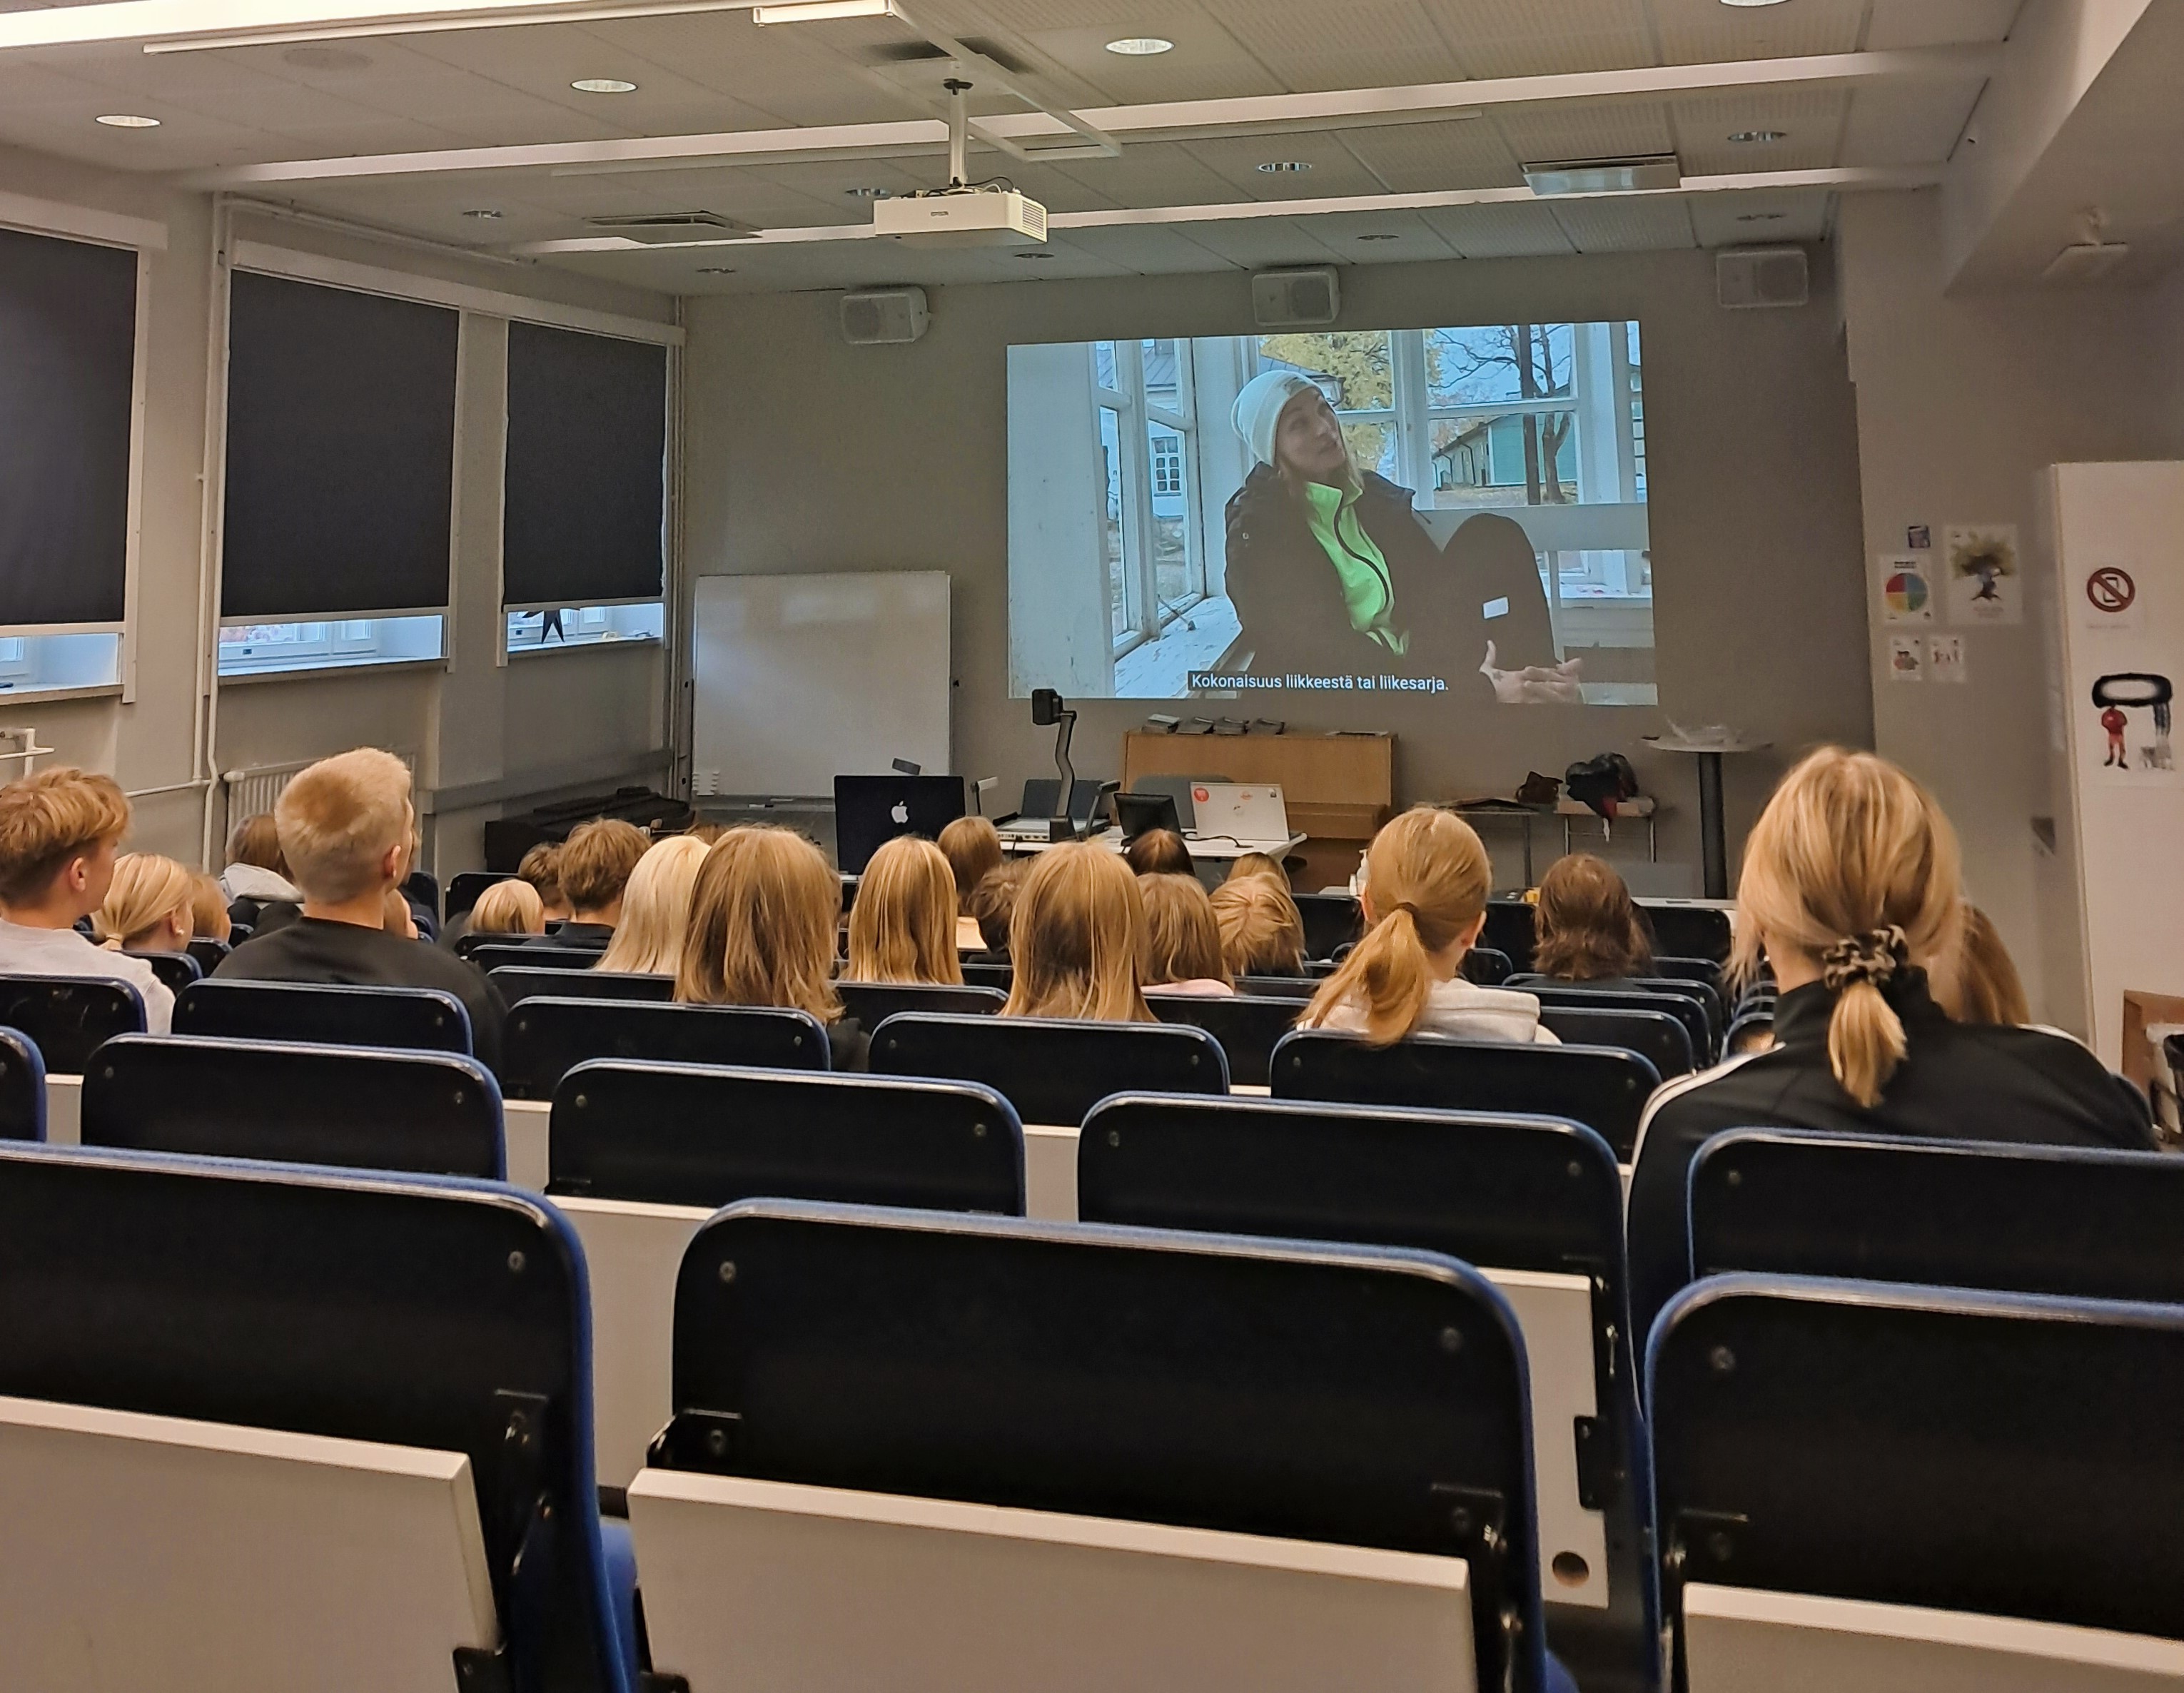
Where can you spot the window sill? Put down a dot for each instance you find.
(322, 672)
(105, 690)
(619, 643)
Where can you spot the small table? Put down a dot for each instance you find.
(1713, 846)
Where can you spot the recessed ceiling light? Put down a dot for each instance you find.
(1751, 3)
(124, 120)
(1759, 217)
(1741, 136)
(482, 212)
(866, 192)
(1140, 46)
(603, 85)
(1379, 237)
(1034, 255)
(1286, 167)
(716, 270)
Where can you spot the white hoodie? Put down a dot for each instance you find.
(1465, 1010)
(248, 882)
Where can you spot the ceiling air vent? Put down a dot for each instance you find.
(1605, 176)
(667, 228)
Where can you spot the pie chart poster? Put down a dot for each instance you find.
(1906, 584)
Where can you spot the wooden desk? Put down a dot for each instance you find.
(1338, 789)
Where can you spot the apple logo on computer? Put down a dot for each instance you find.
(901, 812)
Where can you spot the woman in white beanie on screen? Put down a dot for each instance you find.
(1331, 574)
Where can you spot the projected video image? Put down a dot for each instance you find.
(1454, 512)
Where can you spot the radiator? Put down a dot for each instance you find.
(254, 789)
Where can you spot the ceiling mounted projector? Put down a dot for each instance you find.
(963, 214)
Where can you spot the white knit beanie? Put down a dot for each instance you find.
(1259, 408)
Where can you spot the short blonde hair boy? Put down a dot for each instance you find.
(339, 819)
(46, 819)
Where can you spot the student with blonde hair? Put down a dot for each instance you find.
(1983, 985)
(208, 918)
(655, 909)
(541, 866)
(347, 829)
(1585, 927)
(1850, 890)
(1159, 852)
(1427, 877)
(972, 846)
(762, 933)
(1182, 940)
(1075, 936)
(593, 867)
(59, 830)
(1261, 930)
(993, 904)
(1258, 864)
(148, 906)
(903, 926)
(508, 907)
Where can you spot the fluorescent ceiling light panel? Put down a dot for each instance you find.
(603, 85)
(123, 20)
(819, 11)
(502, 17)
(1605, 176)
(1140, 46)
(127, 120)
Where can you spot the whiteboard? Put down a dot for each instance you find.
(799, 679)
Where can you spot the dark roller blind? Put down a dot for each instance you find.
(586, 493)
(341, 440)
(68, 346)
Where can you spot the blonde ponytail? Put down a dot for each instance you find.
(1429, 876)
(147, 890)
(1854, 866)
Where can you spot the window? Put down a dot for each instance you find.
(584, 626)
(331, 643)
(1148, 428)
(54, 661)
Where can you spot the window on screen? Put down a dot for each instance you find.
(1455, 511)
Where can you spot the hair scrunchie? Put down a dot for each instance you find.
(1874, 956)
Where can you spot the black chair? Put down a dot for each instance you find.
(1278, 987)
(694, 1135)
(1752, 1031)
(528, 982)
(437, 1113)
(1510, 1193)
(1603, 1088)
(849, 891)
(547, 1037)
(1686, 1010)
(427, 1019)
(1247, 1027)
(1684, 930)
(1656, 1037)
(1276, 1388)
(1706, 970)
(1051, 1070)
(176, 970)
(211, 954)
(410, 1312)
(1509, 930)
(465, 886)
(2062, 1220)
(497, 954)
(22, 1089)
(67, 1017)
(1705, 993)
(1488, 966)
(872, 1003)
(1330, 920)
(1001, 977)
(1967, 1452)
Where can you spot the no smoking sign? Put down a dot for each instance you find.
(2110, 590)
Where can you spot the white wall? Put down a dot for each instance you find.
(807, 454)
(1961, 402)
(470, 721)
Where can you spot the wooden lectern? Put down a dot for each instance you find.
(1338, 789)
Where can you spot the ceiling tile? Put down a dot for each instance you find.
(1261, 244)
(1147, 249)
(1810, 118)
(1520, 230)
(1236, 158)
(1207, 63)
(1604, 129)
(1417, 158)
(1643, 225)
(1155, 174)
(1761, 219)
(1905, 123)
(1932, 22)
(1542, 37)
(1704, 32)
(1319, 44)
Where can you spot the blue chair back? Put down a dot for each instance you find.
(1330, 920)
(1603, 1088)
(1247, 1027)
(407, 1310)
(701, 1135)
(22, 1088)
(872, 1003)
(1686, 1010)
(1344, 1395)
(546, 1038)
(2064, 1220)
(435, 1113)
(465, 886)
(1051, 1070)
(1705, 993)
(1488, 966)
(1658, 1037)
(426, 1019)
(210, 954)
(1979, 1453)
(68, 1018)
(495, 953)
(529, 982)
(1682, 929)
(176, 970)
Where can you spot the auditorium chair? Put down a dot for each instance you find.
(1330, 920)
(496, 951)
(529, 981)
(1487, 966)
(66, 1017)
(1906, 1489)
(1706, 970)
(1705, 993)
(211, 954)
(1246, 1025)
(547, 1037)
(175, 969)
(1752, 1031)
(1683, 929)
(435, 1113)
(1656, 1036)
(996, 975)
(872, 1003)
(278, 1426)
(22, 1088)
(1685, 1009)
(2070, 1221)
(1536, 1204)
(643, 1154)
(427, 1019)
(914, 1448)
(1051, 1070)
(1508, 929)
(465, 886)
(1278, 987)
